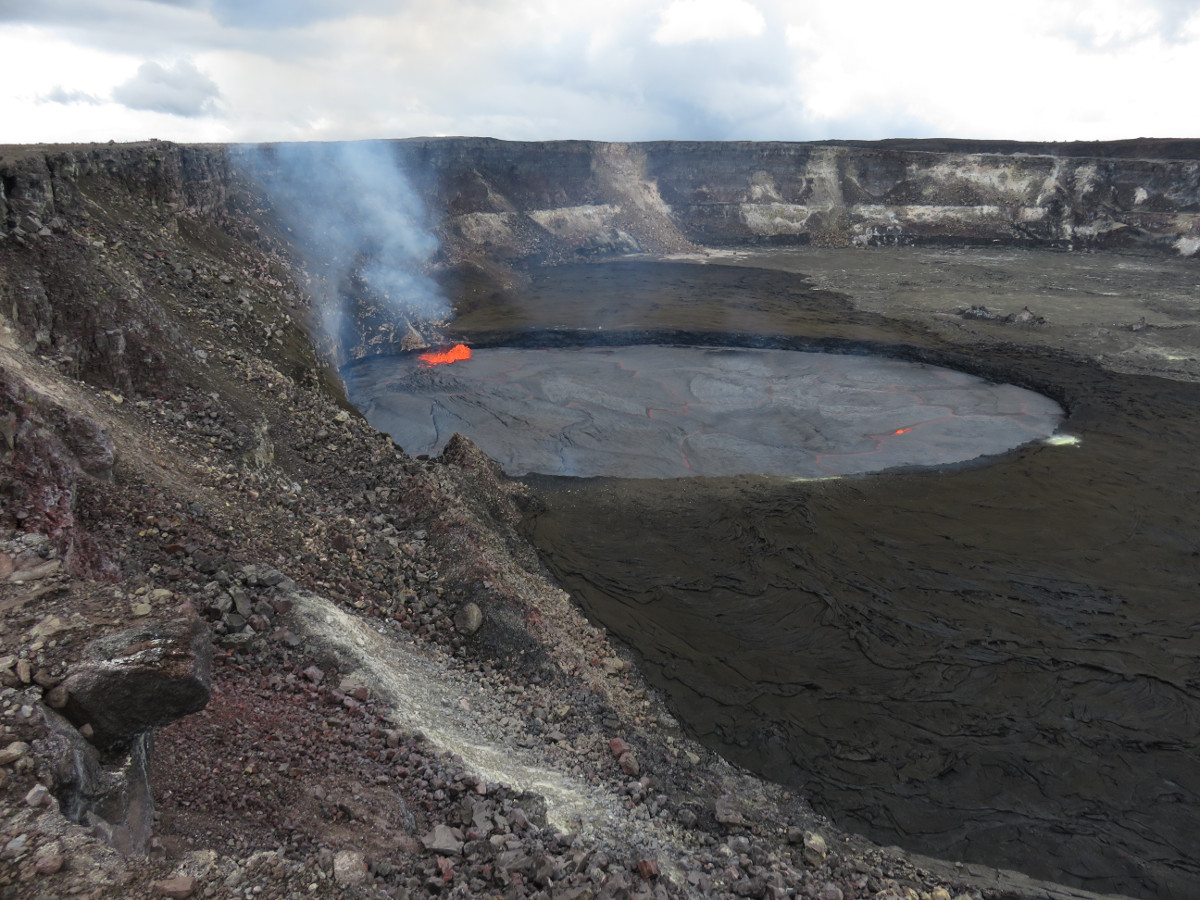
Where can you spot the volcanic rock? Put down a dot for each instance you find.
(178, 888)
(90, 444)
(647, 868)
(37, 796)
(49, 861)
(141, 678)
(48, 627)
(729, 811)
(443, 839)
(815, 849)
(468, 619)
(111, 793)
(1025, 317)
(349, 868)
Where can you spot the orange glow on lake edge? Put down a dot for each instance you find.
(442, 357)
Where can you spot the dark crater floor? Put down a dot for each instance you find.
(997, 663)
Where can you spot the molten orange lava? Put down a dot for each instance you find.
(902, 430)
(442, 357)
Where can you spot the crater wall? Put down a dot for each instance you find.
(510, 201)
(498, 207)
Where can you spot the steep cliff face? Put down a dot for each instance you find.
(561, 199)
(91, 233)
(867, 196)
(513, 201)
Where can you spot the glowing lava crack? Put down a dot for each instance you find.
(665, 412)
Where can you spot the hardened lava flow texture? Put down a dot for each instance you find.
(666, 412)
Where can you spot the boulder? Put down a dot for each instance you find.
(729, 811)
(141, 678)
(468, 618)
(110, 793)
(443, 839)
(350, 868)
(179, 888)
(90, 444)
(629, 764)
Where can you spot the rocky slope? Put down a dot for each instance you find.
(374, 688)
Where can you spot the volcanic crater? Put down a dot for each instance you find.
(655, 411)
(985, 655)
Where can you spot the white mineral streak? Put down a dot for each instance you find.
(576, 221)
(1052, 185)
(425, 696)
(776, 218)
(482, 228)
(927, 213)
(825, 178)
(763, 188)
(1188, 246)
(1001, 178)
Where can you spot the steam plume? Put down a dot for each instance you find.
(351, 211)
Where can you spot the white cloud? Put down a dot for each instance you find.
(708, 20)
(181, 90)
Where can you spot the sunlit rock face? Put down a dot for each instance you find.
(570, 199)
(667, 412)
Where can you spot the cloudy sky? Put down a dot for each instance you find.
(235, 70)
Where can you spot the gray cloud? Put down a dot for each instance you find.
(182, 90)
(58, 94)
(178, 28)
(270, 29)
(628, 87)
(1172, 16)
(69, 12)
(276, 14)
